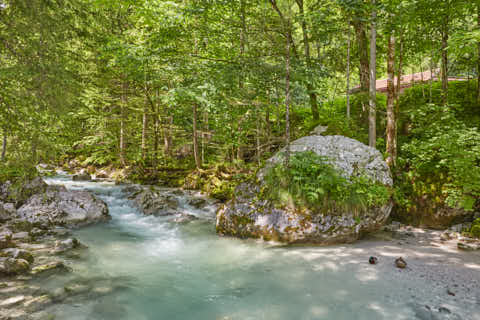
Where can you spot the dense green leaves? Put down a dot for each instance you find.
(311, 181)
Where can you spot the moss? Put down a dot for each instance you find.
(475, 230)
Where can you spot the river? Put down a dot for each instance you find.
(164, 270)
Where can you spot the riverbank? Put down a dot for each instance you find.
(153, 267)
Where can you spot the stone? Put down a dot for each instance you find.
(4, 214)
(154, 201)
(184, 218)
(62, 207)
(349, 156)
(37, 303)
(101, 174)
(77, 288)
(450, 292)
(19, 254)
(319, 130)
(400, 263)
(60, 232)
(448, 235)
(12, 266)
(82, 177)
(197, 202)
(21, 236)
(247, 216)
(373, 260)
(6, 239)
(61, 246)
(468, 246)
(37, 232)
(10, 302)
(54, 266)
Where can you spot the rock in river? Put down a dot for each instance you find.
(59, 206)
(248, 216)
(153, 200)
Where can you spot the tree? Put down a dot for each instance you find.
(372, 118)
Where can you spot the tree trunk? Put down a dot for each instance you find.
(431, 77)
(195, 139)
(243, 41)
(287, 103)
(155, 141)
(4, 146)
(144, 132)
(348, 73)
(445, 62)
(361, 36)
(372, 115)
(399, 72)
(167, 137)
(306, 45)
(390, 131)
(122, 123)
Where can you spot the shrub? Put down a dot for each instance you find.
(442, 158)
(310, 181)
(475, 230)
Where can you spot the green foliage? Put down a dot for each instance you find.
(442, 158)
(310, 181)
(475, 230)
(17, 171)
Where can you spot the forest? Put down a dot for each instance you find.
(221, 98)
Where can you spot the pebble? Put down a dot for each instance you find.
(400, 263)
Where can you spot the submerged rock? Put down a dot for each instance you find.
(62, 246)
(248, 216)
(59, 206)
(50, 267)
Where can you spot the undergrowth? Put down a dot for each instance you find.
(311, 181)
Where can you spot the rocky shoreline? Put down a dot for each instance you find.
(35, 243)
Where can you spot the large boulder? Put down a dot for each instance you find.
(62, 207)
(153, 200)
(249, 216)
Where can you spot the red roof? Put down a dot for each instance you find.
(406, 80)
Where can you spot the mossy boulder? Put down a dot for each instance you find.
(249, 215)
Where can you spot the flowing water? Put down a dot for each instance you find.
(164, 270)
